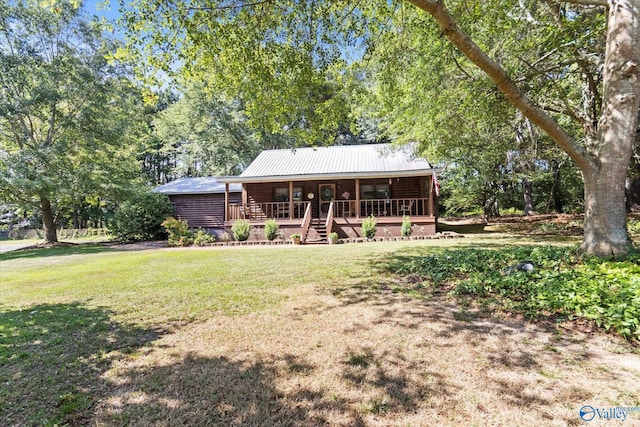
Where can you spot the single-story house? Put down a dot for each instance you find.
(201, 201)
(316, 191)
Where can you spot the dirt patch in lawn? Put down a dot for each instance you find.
(365, 358)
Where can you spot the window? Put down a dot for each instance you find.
(367, 191)
(378, 191)
(297, 194)
(281, 194)
(382, 191)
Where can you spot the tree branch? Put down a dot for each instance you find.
(502, 81)
(586, 2)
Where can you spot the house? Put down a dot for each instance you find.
(316, 191)
(201, 201)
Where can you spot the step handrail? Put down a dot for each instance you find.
(306, 221)
(329, 222)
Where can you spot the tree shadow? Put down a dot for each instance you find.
(52, 357)
(219, 391)
(29, 253)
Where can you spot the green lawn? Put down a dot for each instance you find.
(186, 284)
(74, 320)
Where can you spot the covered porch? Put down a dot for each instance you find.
(332, 189)
(340, 209)
(316, 208)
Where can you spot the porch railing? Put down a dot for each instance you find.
(383, 207)
(329, 221)
(341, 209)
(263, 211)
(306, 222)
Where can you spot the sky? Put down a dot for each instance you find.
(107, 9)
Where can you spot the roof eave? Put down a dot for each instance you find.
(327, 176)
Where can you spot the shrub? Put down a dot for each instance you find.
(241, 230)
(406, 230)
(140, 217)
(369, 227)
(203, 238)
(179, 234)
(562, 284)
(225, 237)
(271, 229)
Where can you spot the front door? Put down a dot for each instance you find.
(327, 194)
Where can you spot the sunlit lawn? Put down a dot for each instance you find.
(310, 335)
(190, 284)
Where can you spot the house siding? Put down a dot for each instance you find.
(202, 210)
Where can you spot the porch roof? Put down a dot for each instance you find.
(344, 161)
(205, 185)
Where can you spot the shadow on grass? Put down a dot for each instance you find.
(84, 249)
(218, 391)
(52, 357)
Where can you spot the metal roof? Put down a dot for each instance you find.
(204, 185)
(343, 161)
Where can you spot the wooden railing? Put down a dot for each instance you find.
(382, 207)
(329, 222)
(306, 222)
(263, 211)
(338, 209)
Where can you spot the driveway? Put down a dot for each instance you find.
(8, 247)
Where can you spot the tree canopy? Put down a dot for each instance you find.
(67, 116)
(550, 59)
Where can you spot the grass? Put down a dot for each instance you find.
(281, 336)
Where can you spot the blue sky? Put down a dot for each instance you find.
(102, 8)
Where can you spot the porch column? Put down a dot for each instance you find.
(423, 194)
(291, 200)
(226, 201)
(431, 211)
(357, 197)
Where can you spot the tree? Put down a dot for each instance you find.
(605, 158)
(280, 53)
(207, 136)
(66, 114)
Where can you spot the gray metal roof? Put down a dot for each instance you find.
(204, 185)
(372, 160)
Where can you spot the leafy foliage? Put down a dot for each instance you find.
(241, 230)
(140, 217)
(178, 231)
(67, 116)
(562, 284)
(202, 238)
(271, 229)
(406, 229)
(206, 136)
(369, 227)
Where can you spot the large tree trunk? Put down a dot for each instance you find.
(556, 196)
(605, 223)
(527, 191)
(604, 164)
(49, 226)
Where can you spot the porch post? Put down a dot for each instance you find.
(357, 197)
(423, 194)
(431, 212)
(291, 200)
(226, 201)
